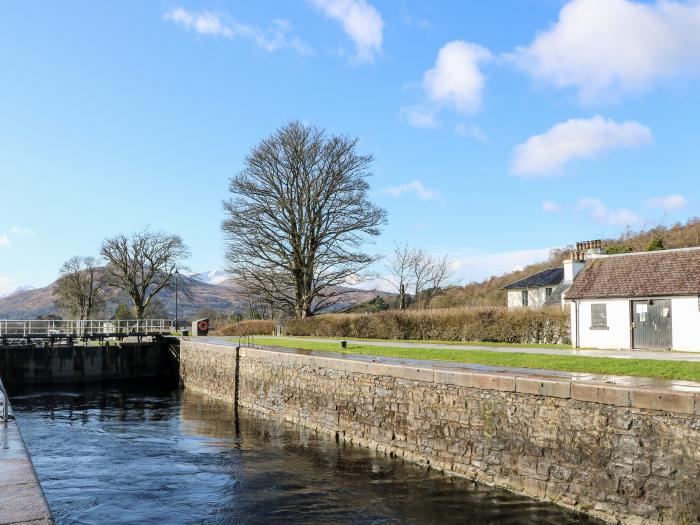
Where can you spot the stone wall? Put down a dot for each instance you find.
(622, 454)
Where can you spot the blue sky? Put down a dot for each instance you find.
(500, 129)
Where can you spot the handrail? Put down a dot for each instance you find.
(5, 404)
(23, 328)
(248, 340)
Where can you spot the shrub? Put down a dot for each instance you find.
(500, 325)
(252, 327)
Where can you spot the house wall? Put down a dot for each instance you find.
(618, 333)
(536, 297)
(685, 322)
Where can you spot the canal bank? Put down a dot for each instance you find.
(21, 496)
(627, 452)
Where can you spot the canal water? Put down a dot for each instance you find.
(149, 454)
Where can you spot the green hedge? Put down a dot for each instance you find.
(253, 327)
(501, 325)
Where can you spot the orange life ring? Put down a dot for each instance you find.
(203, 326)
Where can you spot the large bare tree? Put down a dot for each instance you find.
(79, 288)
(143, 265)
(298, 218)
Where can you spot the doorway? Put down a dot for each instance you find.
(651, 324)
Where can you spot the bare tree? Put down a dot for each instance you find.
(440, 272)
(79, 288)
(415, 267)
(400, 270)
(143, 265)
(299, 216)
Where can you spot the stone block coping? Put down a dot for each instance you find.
(678, 397)
(21, 497)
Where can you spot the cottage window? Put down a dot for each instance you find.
(547, 293)
(525, 297)
(599, 316)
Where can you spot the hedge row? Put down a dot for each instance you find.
(545, 326)
(253, 327)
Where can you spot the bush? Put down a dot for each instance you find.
(498, 325)
(252, 327)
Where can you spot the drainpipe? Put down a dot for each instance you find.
(5, 404)
(576, 339)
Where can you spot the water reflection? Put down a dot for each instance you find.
(135, 454)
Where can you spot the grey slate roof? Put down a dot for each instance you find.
(645, 274)
(554, 298)
(548, 277)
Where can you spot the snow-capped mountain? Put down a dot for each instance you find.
(212, 276)
(24, 288)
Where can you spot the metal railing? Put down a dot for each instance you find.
(5, 404)
(247, 340)
(84, 328)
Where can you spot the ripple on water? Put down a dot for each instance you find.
(147, 454)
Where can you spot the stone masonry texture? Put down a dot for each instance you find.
(593, 451)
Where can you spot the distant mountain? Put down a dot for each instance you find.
(224, 296)
(212, 276)
(24, 288)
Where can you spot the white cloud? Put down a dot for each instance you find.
(615, 217)
(273, 38)
(607, 48)
(456, 81)
(474, 265)
(7, 285)
(361, 21)
(419, 117)
(668, 203)
(550, 207)
(472, 131)
(205, 23)
(548, 153)
(4, 240)
(16, 231)
(415, 187)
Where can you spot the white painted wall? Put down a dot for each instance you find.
(617, 335)
(685, 322)
(535, 296)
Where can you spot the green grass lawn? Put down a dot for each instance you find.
(569, 363)
(440, 342)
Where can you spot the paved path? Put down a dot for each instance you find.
(617, 354)
(675, 385)
(22, 500)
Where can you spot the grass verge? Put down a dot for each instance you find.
(594, 365)
(438, 342)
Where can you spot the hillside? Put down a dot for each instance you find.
(488, 292)
(225, 297)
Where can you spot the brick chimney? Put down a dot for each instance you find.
(584, 251)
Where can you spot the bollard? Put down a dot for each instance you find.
(343, 344)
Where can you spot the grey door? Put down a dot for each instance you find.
(651, 324)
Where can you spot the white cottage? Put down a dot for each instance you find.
(549, 287)
(535, 290)
(647, 300)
